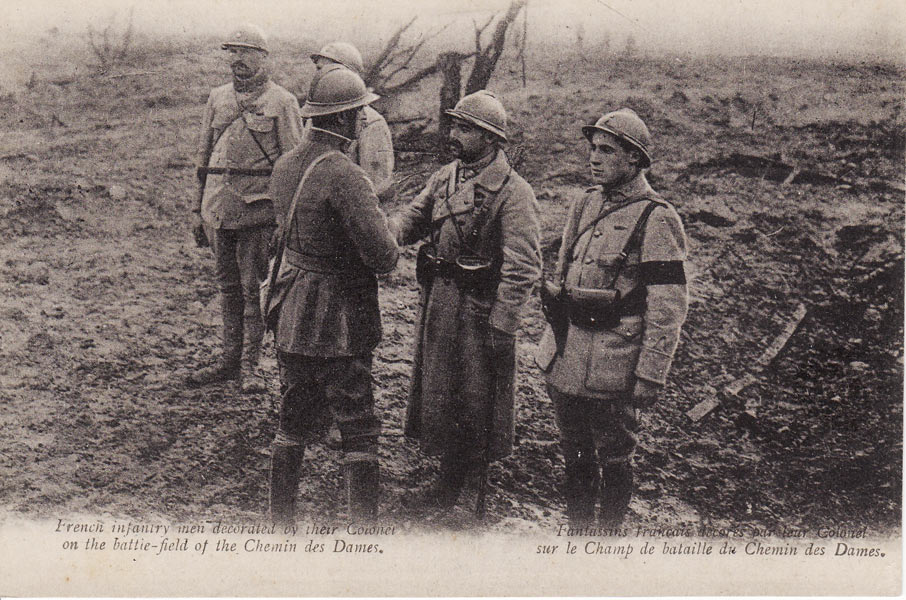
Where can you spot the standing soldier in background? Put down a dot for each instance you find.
(616, 310)
(477, 269)
(334, 239)
(372, 148)
(247, 125)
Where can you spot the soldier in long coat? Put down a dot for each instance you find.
(247, 125)
(622, 264)
(461, 401)
(336, 239)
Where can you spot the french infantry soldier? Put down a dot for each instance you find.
(247, 125)
(616, 307)
(372, 148)
(477, 267)
(334, 239)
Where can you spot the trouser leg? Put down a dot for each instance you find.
(615, 451)
(298, 407)
(616, 491)
(576, 440)
(348, 391)
(251, 256)
(286, 463)
(231, 310)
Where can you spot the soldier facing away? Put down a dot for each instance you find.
(335, 239)
(616, 308)
(372, 148)
(247, 125)
(478, 267)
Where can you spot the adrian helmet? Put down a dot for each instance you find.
(334, 90)
(246, 36)
(482, 109)
(343, 53)
(626, 125)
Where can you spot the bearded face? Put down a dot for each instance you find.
(245, 62)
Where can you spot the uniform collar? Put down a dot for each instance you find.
(329, 137)
(634, 188)
(492, 176)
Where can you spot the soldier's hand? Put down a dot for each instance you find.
(645, 393)
(201, 239)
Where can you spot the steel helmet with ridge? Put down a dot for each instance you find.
(336, 89)
(342, 53)
(626, 125)
(483, 110)
(246, 36)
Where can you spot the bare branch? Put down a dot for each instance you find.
(418, 76)
(486, 59)
(385, 55)
(479, 31)
(408, 59)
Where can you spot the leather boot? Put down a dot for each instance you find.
(363, 488)
(286, 462)
(445, 491)
(228, 367)
(581, 484)
(253, 381)
(616, 492)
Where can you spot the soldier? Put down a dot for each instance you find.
(335, 239)
(247, 125)
(373, 147)
(477, 268)
(616, 310)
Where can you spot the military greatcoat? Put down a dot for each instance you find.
(337, 241)
(605, 363)
(457, 369)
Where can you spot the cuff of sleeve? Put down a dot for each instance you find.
(503, 319)
(653, 366)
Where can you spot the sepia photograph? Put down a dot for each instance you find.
(452, 298)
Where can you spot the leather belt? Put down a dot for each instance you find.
(320, 264)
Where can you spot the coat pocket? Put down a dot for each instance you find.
(613, 357)
(259, 123)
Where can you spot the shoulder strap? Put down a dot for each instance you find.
(267, 156)
(292, 208)
(486, 213)
(636, 232)
(635, 237)
(589, 226)
(278, 258)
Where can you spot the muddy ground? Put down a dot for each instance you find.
(107, 303)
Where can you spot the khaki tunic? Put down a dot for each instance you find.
(605, 363)
(457, 370)
(229, 123)
(338, 240)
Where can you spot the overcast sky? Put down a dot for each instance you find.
(772, 27)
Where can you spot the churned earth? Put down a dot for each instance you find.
(107, 303)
